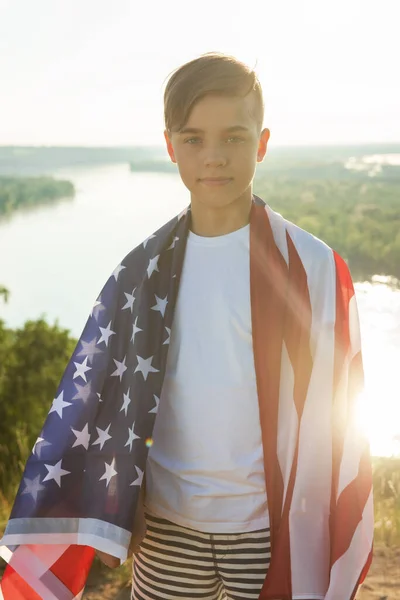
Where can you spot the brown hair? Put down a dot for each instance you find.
(213, 73)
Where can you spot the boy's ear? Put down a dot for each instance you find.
(169, 146)
(262, 144)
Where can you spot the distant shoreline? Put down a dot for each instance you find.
(22, 193)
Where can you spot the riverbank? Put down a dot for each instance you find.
(17, 193)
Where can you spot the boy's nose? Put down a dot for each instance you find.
(214, 159)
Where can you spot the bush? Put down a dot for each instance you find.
(32, 362)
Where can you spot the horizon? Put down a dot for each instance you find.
(160, 145)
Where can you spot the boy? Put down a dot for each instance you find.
(257, 482)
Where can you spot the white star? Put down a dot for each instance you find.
(148, 239)
(81, 369)
(33, 487)
(130, 299)
(132, 437)
(105, 334)
(176, 239)
(135, 330)
(39, 445)
(161, 304)
(82, 437)
(117, 271)
(84, 391)
(55, 472)
(169, 336)
(144, 366)
(59, 404)
(97, 308)
(99, 397)
(120, 370)
(103, 436)
(126, 402)
(89, 349)
(139, 479)
(157, 401)
(153, 266)
(109, 472)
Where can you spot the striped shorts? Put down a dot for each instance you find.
(175, 562)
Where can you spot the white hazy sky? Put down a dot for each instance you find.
(92, 72)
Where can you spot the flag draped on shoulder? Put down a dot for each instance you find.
(81, 483)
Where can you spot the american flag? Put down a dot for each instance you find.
(81, 483)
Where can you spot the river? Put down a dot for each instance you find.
(55, 259)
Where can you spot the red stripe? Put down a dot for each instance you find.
(347, 510)
(297, 339)
(268, 290)
(72, 568)
(350, 508)
(344, 293)
(16, 588)
(281, 309)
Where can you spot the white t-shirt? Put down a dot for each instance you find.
(205, 469)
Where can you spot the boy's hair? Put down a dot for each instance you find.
(213, 73)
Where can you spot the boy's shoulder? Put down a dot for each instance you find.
(142, 259)
(312, 250)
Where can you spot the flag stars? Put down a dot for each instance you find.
(145, 367)
(109, 472)
(148, 239)
(131, 437)
(97, 308)
(117, 271)
(135, 330)
(55, 472)
(81, 369)
(82, 437)
(168, 330)
(89, 349)
(153, 266)
(161, 304)
(39, 445)
(104, 436)
(84, 391)
(126, 402)
(33, 487)
(157, 401)
(130, 299)
(120, 370)
(106, 333)
(176, 239)
(139, 479)
(59, 404)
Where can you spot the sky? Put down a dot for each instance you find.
(93, 72)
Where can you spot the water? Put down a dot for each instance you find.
(55, 260)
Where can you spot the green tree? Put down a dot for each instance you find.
(32, 361)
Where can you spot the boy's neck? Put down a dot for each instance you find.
(213, 222)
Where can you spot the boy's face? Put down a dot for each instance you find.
(221, 139)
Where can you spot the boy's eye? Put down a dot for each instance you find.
(196, 139)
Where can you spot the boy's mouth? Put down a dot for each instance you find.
(216, 180)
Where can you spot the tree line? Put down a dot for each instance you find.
(357, 217)
(25, 192)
